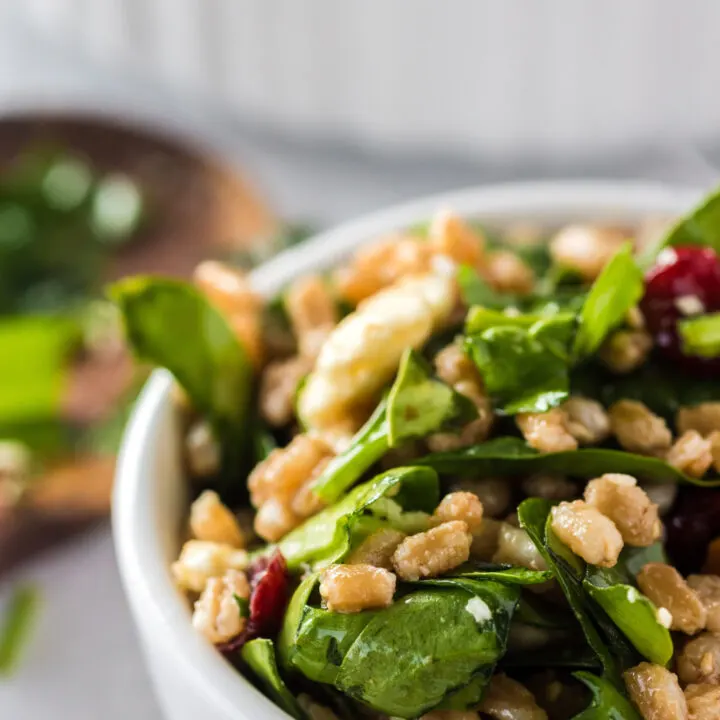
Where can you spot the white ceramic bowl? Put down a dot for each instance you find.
(192, 680)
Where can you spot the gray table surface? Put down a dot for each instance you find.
(84, 662)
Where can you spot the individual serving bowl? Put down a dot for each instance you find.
(150, 501)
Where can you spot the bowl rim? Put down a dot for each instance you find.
(141, 561)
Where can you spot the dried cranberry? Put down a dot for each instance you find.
(269, 596)
(269, 591)
(693, 524)
(685, 279)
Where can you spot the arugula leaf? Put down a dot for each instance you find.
(534, 514)
(607, 702)
(618, 288)
(512, 457)
(631, 611)
(400, 498)
(17, 624)
(701, 335)
(699, 227)
(521, 373)
(418, 404)
(259, 655)
(160, 315)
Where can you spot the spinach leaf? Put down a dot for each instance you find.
(607, 702)
(323, 640)
(400, 498)
(469, 695)
(259, 655)
(633, 559)
(533, 610)
(475, 291)
(287, 638)
(618, 288)
(400, 664)
(509, 574)
(701, 335)
(521, 372)
(160, 315)
(481, 318)
(512, 457)
(394, 660)
(699, 227)
(368, 445)
(654, 384)
(534, 514)
(418, 404)
(631, 611)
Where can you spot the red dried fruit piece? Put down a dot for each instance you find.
(269, 596)
(269, 592)
(685, 280)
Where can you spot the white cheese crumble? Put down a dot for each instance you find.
(479, 610)
(690, 305)
(664, 617)
(632, 595)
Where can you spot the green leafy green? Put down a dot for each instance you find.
(368, 445)
(394, 661)
(399, 664)
(534, 514)
(400, 498)
(481, 318)
(699, 227)
(287, 638)
(618, 288)
(475, 291)
(160, 316)
(607, 702)
(512, 457)
(418, 404)
(18, 620)
(34, 365)
(521, 372)
(534, 610)
(701, 335)
(322, 641)
(654, 384)
(509, 574)
(633, 559)
(631, 611)
(259, 655)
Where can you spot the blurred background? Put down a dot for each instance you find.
(143, 135)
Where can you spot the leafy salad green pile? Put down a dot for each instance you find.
(441, 640)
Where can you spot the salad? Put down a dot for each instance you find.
(468, 474)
